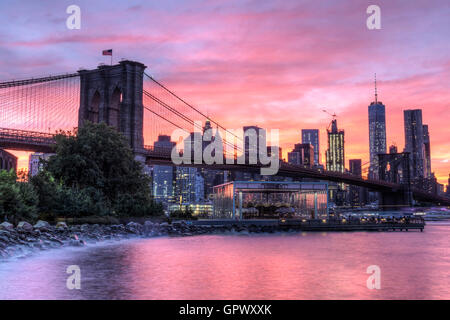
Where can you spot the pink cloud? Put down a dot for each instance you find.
(274, 64)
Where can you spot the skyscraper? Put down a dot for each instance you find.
(35, 163)
(377, 133)
(448, 186)
(163, 176)
(189, 185)
(251, 146)
(393, 149)
(302, 154)
(211, 177)
(355, 167)
(357, 195)
(335, 153)
(311, 136)
(427, 150)
(414, 141)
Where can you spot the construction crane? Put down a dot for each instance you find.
(333, 115)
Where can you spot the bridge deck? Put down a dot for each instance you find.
(310, 225)
(44, 142)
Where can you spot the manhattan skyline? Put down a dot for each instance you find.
(272, 65)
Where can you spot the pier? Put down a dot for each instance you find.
(270, 225)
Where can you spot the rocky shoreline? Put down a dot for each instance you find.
(26, 239)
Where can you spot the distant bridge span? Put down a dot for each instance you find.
(44, 142)
(162, 157)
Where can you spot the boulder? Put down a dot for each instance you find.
(42, 225)
(6, 226)
(61, 225)
(5, 237)
(148, 224)
(23, 225)
(134, 225)
(77, 243)
(117, 227)
(56, 240)
(75, 228)
(135, 228)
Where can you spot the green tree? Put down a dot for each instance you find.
(18, 200)
(97, 161)
(56, 199)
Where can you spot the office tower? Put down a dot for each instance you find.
(189, 185)
(163, 176)
(311, 136)
(193, 144)
(377, 133)
(414, 141)
(207, 127)
(335, 153)
(210, 176)
(302, 154)
(251, 146)
(294, 158)
(164, 142)
(357, 195)
(355, 167)
(35, 163)
(448, 186)
(427, 150)
(280, 152)
(393, 149)
(199, 187)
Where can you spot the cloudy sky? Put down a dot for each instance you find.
(275, 64)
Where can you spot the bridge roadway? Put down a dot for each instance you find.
(44, 142)
(25, 140)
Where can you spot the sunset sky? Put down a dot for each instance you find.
(275, 64)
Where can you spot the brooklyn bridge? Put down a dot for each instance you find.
(126, 97)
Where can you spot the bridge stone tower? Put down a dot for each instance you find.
(113, 94)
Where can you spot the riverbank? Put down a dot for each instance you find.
(25, 239)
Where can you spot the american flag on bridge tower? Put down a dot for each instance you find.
(107, 52)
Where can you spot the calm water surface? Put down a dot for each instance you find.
(414, 265)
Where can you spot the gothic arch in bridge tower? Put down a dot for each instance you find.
(114, 108)
(94, 107)
(118, 96)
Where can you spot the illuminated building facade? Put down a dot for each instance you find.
(163, 176)
(427, 150)
(335, 154)
(302, 154)
(414, 142)
(377, 135)
(311, 136)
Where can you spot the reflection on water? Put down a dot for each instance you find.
(414, 265)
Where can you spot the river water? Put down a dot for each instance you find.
(332, 265)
